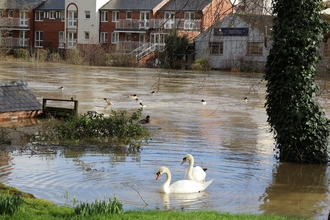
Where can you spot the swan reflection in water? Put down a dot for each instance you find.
(183, 200)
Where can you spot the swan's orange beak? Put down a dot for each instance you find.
(158, 175)
(184, 160)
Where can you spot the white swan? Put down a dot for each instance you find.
(181, 186)
(193, 173)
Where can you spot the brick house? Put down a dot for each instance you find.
(16, 22)
(48, 25)
(141, 28)
(137, 26)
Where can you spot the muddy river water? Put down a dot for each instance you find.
(229, 136)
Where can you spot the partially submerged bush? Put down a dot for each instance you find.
(120, 59)
(4, 136)
(74, 56)
(201, 64)
(41, 54)
(55, 57)
(92, 127)
(99, 207)
(22, 54)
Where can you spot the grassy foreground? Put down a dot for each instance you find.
(34, 208)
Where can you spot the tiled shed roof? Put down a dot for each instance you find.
(16, 96)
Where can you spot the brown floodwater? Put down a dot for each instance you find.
(228, 136)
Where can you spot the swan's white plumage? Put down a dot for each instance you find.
(193, 173)
(181, 186)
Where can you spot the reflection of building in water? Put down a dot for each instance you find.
(4, 161)
(304, 189)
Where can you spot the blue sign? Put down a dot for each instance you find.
(231, 31)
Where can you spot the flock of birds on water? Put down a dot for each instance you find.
(134, 97)
(195, 177)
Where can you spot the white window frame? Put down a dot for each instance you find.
(169, 20)
(72, 39)
(115, 16)
(61, 39)
(254, 48)
(114, 37)
(63, 16)
(128, 37)
(189, 20)
(52, 15)
(10, 13)
(144, 19)
(104, 16)
(128, 15)
(23, 39)
(39, 39)
(39, 16)
(216, 48)
(87, 14)
(104, 37)
(72, 19)
(87, 35)
(23, 18)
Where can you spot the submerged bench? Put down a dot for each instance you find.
(59, 108)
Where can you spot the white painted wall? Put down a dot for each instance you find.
(235, 47)
(90, 25)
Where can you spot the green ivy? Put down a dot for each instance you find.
(300, 127)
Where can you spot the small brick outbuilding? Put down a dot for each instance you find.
(17, 101)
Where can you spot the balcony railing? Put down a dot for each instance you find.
(14, 22)
(13, 42)
(126, 46)
(71, 23)
(181, 24)
(137, 48)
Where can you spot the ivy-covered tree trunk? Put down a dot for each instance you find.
(300, 127)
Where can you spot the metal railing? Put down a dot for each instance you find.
(13, 42)
(71, 23)
(181, 24)
(140, 50)
(14, 22)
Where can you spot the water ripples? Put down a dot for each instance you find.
(227, 136)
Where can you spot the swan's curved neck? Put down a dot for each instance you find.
(191, 165)
(168, 178)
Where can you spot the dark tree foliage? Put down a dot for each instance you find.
(300, 127)
(175, 49)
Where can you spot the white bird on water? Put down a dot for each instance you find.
(61, 88)
(203, 102)
(142, 106)
(181, 186)
(108, 102)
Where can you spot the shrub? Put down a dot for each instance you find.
(93, 127)
(123, 60)
(99, 207)
(9, 204)
(22, 54)
(55, 57)
(73, 56)
(201, 64)
(41, 54)
(4, 136)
